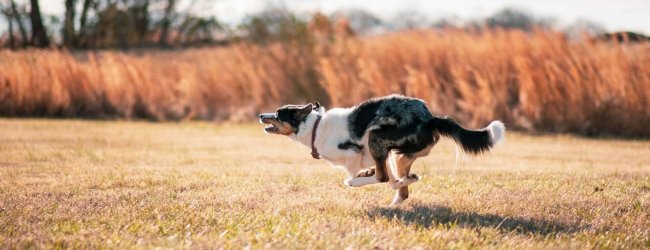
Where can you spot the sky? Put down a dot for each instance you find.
(632, 15)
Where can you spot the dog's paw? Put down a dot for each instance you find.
(366, 172)
(350, 182)
(413, 177)
(397, 200)
(405, 181)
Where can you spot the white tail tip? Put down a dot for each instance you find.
(497, 132)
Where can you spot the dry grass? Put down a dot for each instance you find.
(536, 82)
(83, 184)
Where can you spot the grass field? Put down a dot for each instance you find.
(87, 184)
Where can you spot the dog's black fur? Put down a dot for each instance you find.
(406, 125)
(294, 115)
(394, 122)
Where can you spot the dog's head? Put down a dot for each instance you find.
(288, 118)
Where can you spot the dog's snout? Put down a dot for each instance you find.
(264, 118)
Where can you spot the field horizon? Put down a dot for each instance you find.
(135, 184)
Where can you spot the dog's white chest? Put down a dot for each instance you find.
(332, 131)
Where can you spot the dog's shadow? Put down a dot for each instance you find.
(439, 216)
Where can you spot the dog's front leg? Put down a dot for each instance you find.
(360, 181)
(356, 177)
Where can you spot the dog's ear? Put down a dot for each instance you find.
(304, 111)
(316, 105)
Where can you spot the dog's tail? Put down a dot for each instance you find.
(472, 141)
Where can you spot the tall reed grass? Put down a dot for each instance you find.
(537, 81)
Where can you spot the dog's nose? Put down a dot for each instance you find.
(260, 116)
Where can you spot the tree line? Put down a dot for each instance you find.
(107, 24)
(90, 24)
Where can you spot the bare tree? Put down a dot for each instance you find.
(68, 23)
(83, 20)
(19, 22)
(110, 23)
(39, 34)
(410, 19)
(510, 18)
(12, 39)
(141, 18)
(584, 27)
(360, 20)
(166, 23)
(84, 14)
(10, 23)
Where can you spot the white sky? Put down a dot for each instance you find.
(631, 15)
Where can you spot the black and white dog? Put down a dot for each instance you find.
(393, 130)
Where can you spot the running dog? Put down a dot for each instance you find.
(393, 130)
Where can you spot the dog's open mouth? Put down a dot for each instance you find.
(271, 128)
(269, 119)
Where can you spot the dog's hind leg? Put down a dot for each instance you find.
(401, 164)
(379, 152)
(400, 196)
